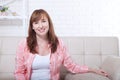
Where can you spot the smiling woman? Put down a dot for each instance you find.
(42, 44)
(41, 27)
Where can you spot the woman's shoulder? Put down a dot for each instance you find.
(22, 44)
(61, 42)
(23, 41)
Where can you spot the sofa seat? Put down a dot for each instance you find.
(111, 65)
(85, 76)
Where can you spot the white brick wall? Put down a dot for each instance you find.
(75, 17)
(82, 17)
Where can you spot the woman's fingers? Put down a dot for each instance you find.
(103, 73)
(98, 71)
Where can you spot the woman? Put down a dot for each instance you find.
(41, 54)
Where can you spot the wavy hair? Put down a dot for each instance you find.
(31, 39)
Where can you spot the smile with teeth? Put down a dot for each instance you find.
(41, 30)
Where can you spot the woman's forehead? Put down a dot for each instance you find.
(43, 16)
(40, 17)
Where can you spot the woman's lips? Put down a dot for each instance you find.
(41, 30)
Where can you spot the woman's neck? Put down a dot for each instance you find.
(43, 45)
(41, 39)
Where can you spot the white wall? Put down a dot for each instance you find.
(74, 17)
(82, 17)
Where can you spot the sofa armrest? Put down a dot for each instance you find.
(112, 66)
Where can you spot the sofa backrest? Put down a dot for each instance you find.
(90, 51)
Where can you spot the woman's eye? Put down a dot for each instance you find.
(35, 23)
(44, 21)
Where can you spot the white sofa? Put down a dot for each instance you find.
(111, 64)
(91, 51)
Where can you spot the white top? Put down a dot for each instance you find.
(40, 68)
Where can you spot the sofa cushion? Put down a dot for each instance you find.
(112, 66)
(85, 76)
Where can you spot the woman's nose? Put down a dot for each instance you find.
(40, 25)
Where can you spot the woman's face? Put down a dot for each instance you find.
(41, 27)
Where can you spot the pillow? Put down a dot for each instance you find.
(112, 66)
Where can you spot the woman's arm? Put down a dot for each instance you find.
(19, 65)
(74, 68)
(70, 65)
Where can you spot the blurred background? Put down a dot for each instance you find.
(70, 17)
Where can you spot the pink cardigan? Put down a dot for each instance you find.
(24, 61)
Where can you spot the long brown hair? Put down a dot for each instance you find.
(31, 39)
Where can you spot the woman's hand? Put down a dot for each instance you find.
(98, 71)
